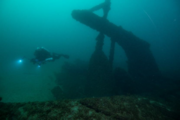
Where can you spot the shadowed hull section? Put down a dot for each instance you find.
(141, 62)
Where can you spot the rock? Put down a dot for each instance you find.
(105, 108)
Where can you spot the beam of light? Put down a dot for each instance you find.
(160, 37)
(150, 18)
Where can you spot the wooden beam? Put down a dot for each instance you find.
(140, 59)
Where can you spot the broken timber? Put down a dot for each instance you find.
(141, 62)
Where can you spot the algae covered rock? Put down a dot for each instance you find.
(106, 108)
(128, 108)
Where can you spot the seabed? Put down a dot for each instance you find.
(103, 108)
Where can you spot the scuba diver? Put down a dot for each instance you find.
(42, 55)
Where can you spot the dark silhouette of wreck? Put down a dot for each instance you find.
(141, 63)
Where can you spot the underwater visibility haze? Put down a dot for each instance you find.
(133, 51)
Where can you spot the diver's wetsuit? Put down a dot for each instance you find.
(42, 55)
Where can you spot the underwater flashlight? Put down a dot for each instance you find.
(20, 61)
